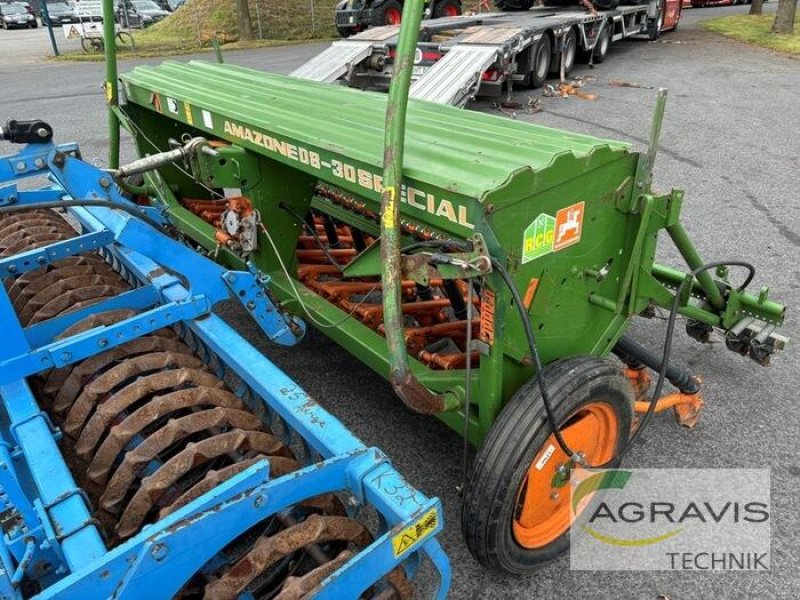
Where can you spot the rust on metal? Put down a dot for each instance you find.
(67, 388)
(172, 432)
(105, 385)
(153, 487)
(205, 391)
(268, 550)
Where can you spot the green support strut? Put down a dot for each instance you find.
(415, 395)
(111, 83)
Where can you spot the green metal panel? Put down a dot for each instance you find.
(336, 134)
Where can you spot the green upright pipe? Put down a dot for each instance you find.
(111, 84)
(411, 391)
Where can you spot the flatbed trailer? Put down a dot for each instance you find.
(459, 58)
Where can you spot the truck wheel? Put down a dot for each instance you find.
(447, 8)
(516, 512)
(542, 55)
(600, 48)
(344, 32)
(513, 5)
(569, 50)
(654, 26)
(388, 13)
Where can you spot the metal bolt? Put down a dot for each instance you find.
(65, 356)
(11, 199)
(103, 342)
(39, 162)
(561, 469)
(41, 260)
(42, 132)
(554, 496)
(20, 166)
(12, 268)
(260, 500)
(251, 305)
(105, 182)
(159, 551)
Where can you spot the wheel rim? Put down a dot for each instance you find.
(570, 57)
(451, 11)
(542, 63)
(393, 16)
(604, 44)
(542, 511)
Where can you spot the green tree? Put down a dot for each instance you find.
(784, 17)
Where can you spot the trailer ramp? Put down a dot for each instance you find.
(335, 61)
(455, 78)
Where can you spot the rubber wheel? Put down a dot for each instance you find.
(606, 4)
(654, 26)
(344, 32)
(570, 50)
(513, 5)
(542, 55)
(388, 13)
(558, 3)
(513, 519)
(447, 8)
(601, 47)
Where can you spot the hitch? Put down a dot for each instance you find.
(26, 132)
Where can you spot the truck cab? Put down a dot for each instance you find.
(353, 16)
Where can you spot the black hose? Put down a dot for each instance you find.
(139, 214)
(662, 372)
(314, 233)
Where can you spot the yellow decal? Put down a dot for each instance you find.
(188, 110)
(414, 534)
(109, 92)
(388, 214)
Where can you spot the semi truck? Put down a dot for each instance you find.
(461, 57)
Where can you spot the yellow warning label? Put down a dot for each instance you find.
(413, 534)
(388, 215)
(109, 92)
(188, 110)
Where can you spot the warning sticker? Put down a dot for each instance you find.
(172, 105)
(208, 120)
(187, 110)
(413, 534)
(549, 234)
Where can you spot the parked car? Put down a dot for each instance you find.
(140, 13)
(14, 15)
(61, 12)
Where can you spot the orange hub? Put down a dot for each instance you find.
(451, 11)
(542, 512)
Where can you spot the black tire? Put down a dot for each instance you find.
(654, 26)
(600, 52)
(382, 15)
(447, 8)
(558, 3)
(513, 5)
(344, 32)
(605, 4)
(540, 64)
(570, 52)
(513, 444)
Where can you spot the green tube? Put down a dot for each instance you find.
(411, 391)
(111, 83)
(681, 238)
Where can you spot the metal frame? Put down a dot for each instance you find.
(50, 533)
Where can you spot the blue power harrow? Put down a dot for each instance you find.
(146, 449)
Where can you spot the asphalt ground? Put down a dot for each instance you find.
(730, 140)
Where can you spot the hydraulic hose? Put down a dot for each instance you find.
(663, 370)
